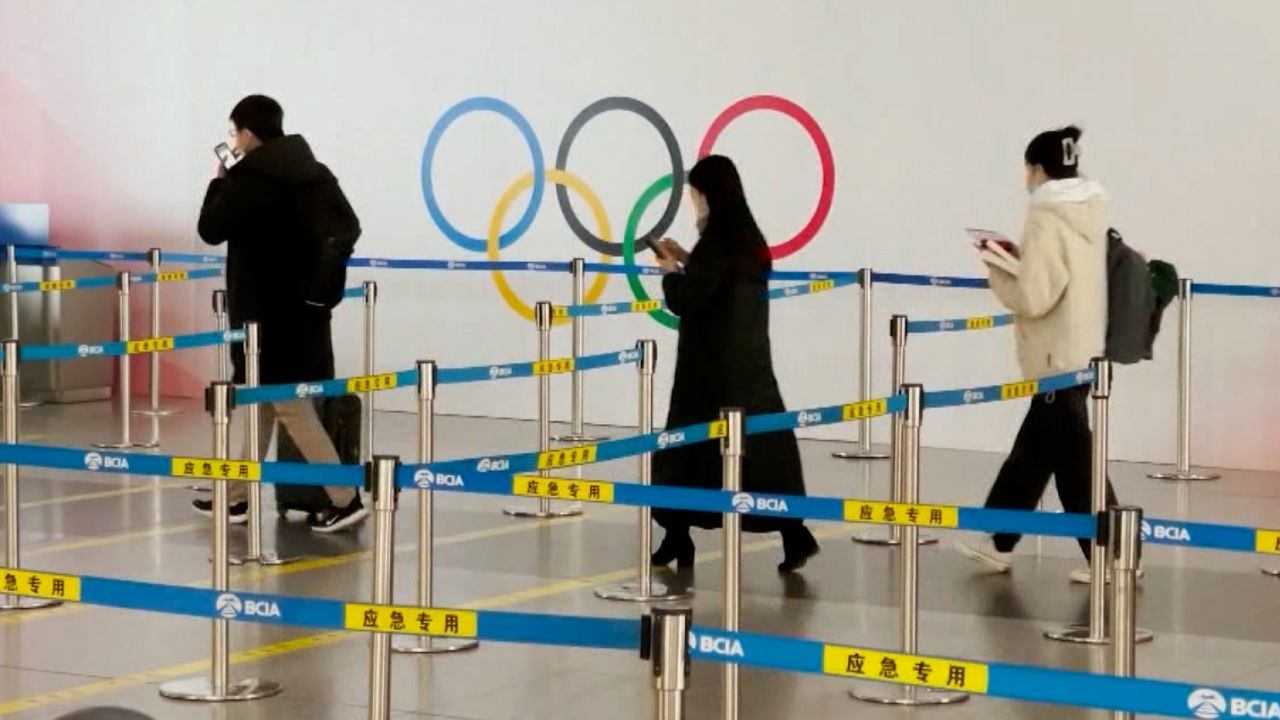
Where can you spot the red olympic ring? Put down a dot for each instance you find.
(806, 121)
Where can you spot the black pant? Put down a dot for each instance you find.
(1054, 440)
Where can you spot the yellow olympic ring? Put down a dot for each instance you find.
(525, 182)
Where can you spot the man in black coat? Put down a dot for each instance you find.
(289, 232)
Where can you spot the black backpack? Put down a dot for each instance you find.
(334, 230)
(1138, 292)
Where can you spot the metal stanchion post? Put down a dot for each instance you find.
(370, 308)
(218, 687)
(542, 315)
(153, 408)
(426, 516)
(865, 342)
(577, 431)
(909, 567)
(1126, 557)
(11, 267)
(1182, 471)
(382, 471)
(123, 282)
(668, 649)
(644, 590)
(253, 436)
(1095, 632)
(222, 324)
(731, 449)
(892, 536)
(9, 433)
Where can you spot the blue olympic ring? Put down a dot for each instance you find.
(493, 105)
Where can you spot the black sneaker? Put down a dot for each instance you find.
(335, 519)
(238, 513)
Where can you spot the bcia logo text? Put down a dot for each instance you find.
(230, 606)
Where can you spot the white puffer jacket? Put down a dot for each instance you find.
(1058, 295)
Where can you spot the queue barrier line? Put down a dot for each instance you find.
(813, 287)
(327, 614)
(1266, 291)
(820, 509)
(27, 253)
(100, 283)
(980, 322)
(444, 376)
(1008, 391)
(621, 448)
(1025, 683)
(141, 346)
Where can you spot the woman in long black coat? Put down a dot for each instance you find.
(724, 359)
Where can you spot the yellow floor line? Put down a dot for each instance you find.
(119, 492)
(152, 532)
(309, 642)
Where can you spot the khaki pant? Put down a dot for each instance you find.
(308, 433)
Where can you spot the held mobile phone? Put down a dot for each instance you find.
(225, 154)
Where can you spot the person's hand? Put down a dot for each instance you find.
(672, 249)
(220, 170)
(667, 263)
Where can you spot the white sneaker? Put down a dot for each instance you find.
(1084, 576)
(984, 552)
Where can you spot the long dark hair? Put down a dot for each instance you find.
(731, 231)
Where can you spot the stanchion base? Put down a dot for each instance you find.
(859, 455)
(265, 559)
(1184, 477)
(200, 488)
(886, 540)
(630, 592)
(577, 438)
(12, 602)
(201, 690)
(906, 696)
(1079, 635)
(28, 404)
(537, 514)
(158, 412)
(1273, 572)
(117, 445)
(436, 646)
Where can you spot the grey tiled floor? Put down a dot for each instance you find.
(1213, 612)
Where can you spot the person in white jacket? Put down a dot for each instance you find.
(1055, 284)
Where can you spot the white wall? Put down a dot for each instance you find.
(927, 105)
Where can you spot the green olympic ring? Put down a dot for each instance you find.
(651, 193)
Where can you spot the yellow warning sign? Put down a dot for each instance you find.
(568, 457)
(55, 285)
(719, 429)
(865, 409)
(818, 286)
(905, 669)
(942, 516)
(39, 584)
(558, 366)
(980, 323)
(596, 491)
(171, 276)
(410, 620)
(640, 306)
(1015, 391)
(211, 469)
(372, 383)
(1268, 541)
(149, 345)
(560, 311)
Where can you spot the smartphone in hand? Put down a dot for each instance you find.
(653, 245)
(226, 155)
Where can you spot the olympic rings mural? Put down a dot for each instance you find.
(601, 239)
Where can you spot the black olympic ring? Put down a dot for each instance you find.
(659, 123)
